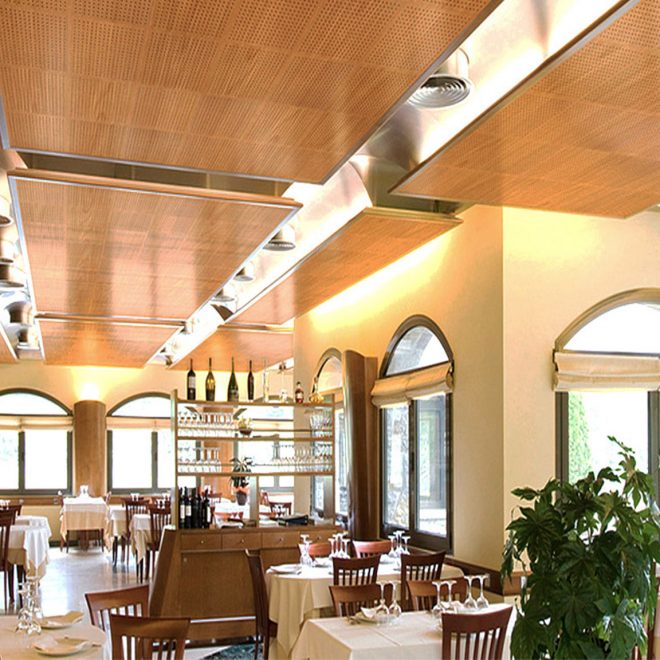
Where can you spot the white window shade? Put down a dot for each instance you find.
(591, 371)
(415, 385)
(16, 423)
(137, 423)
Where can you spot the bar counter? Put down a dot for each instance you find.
(203, 574)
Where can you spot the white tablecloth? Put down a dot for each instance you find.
(15, 646)
(33, 521)
(414, 635)
(294, 598)
(28, 547)
(116, 520)
(83, 513)
(140, 534)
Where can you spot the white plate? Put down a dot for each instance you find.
(61, 620)
(59, 648)
(323, 562)
(286, 569)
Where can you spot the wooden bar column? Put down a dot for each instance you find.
(362, 435)
(89, 447)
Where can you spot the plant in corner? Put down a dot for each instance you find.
(588, 550)
(241, 483)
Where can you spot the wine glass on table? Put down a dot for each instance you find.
(470, 602)
(392, 553)
(482, 601)
(382, 612)
(438, 608)
(305, 558)
(394, 609)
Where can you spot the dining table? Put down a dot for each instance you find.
(18, 646)
(295, 597)
(413, 635)
(28, 544)
(83, 514)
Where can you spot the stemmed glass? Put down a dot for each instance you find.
(438, 608)
(482, 602)
(392, 552)
(404, 550)
(382, 612)
(451, 605)
(470, 603)
(395, 609)
(305, 559)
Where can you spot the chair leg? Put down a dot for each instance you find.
(114, 550)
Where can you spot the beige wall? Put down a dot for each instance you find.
(457, 281)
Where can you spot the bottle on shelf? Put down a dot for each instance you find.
(299, 396)
(210, 384)
(191, 383)
(187, 523)
(232, 388)
(194, 510)
(182, 507)
(264, 383)
(206, 509)
(250, 384)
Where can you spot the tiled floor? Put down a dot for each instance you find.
(69, 576)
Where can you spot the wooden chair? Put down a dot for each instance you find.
(349, 600)
(132, 601)
(371, 548)
(280, 507)
(143, 638)
(467, 636)
(355, 571)
(14, 509)
(424, 595)
(131, 507)
(159, 517)
(419, 567)
(6, 521)
(320, 549)
(265, 628)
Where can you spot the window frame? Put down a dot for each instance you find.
(418, 538)
(66, 413)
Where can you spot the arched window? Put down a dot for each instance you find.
(35, 443)
(414, 394)
(607, 375)
(140, 447)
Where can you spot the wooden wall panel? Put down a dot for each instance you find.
(373, 239)
(583, 139)
(244, 345)
(100, 344)
(285, 89)
(118, 251)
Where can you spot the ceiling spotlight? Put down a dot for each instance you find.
(5, 217)
(449, 85)
(285, 239)
(7, 251)
(245, 274)
(21, 312)
(225, 295)
(11, 277)
(27, 340)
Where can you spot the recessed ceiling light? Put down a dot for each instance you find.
(245, 274)
(285, 239)
(11, 277)
(27, 340)
(7, 251)
(20, 311)
(225, 295)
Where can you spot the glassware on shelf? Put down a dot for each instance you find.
(470, 602)
(482, 601)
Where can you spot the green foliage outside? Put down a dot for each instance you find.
(579, 451)
(588, 550)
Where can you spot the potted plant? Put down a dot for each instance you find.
(241, 483)
(588, 551)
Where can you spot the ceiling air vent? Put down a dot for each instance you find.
(449, 85)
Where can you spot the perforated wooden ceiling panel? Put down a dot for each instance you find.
(106, 251)
(583, 139)
(243, 345)
(100, 344)
(6, 354)
(373, 239)
(285, 89)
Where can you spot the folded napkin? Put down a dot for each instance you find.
(59, 620)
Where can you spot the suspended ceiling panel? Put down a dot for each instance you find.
(285, 89)
(100, 344)
(583, 139)
(370, 241)
(107, 251)
(7, 355)
(243, 344)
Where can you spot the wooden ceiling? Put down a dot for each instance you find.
(370, 241)
(244, 345)
(583, 139)
(98, 249)
(285, 89)
(100, 344)
(7, 355)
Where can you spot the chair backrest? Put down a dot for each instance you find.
(355, 571)
(320, 549)
(280, 507)
(143, 638)
(131, 507)
(470, 636)
(158, 518)
(424, 595)
(132, 600)
(419, 567)
(349, 599)
(14, 509)
(371, 548)
(258, 591)
(6, 521)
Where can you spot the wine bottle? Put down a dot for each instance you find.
(299, 396)
(250, 384)
(191, 383)
(194, 510)
(182, 508)
(264, 383)
(232, 388)
(210, 384)
(188, 504)
(206, 508)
